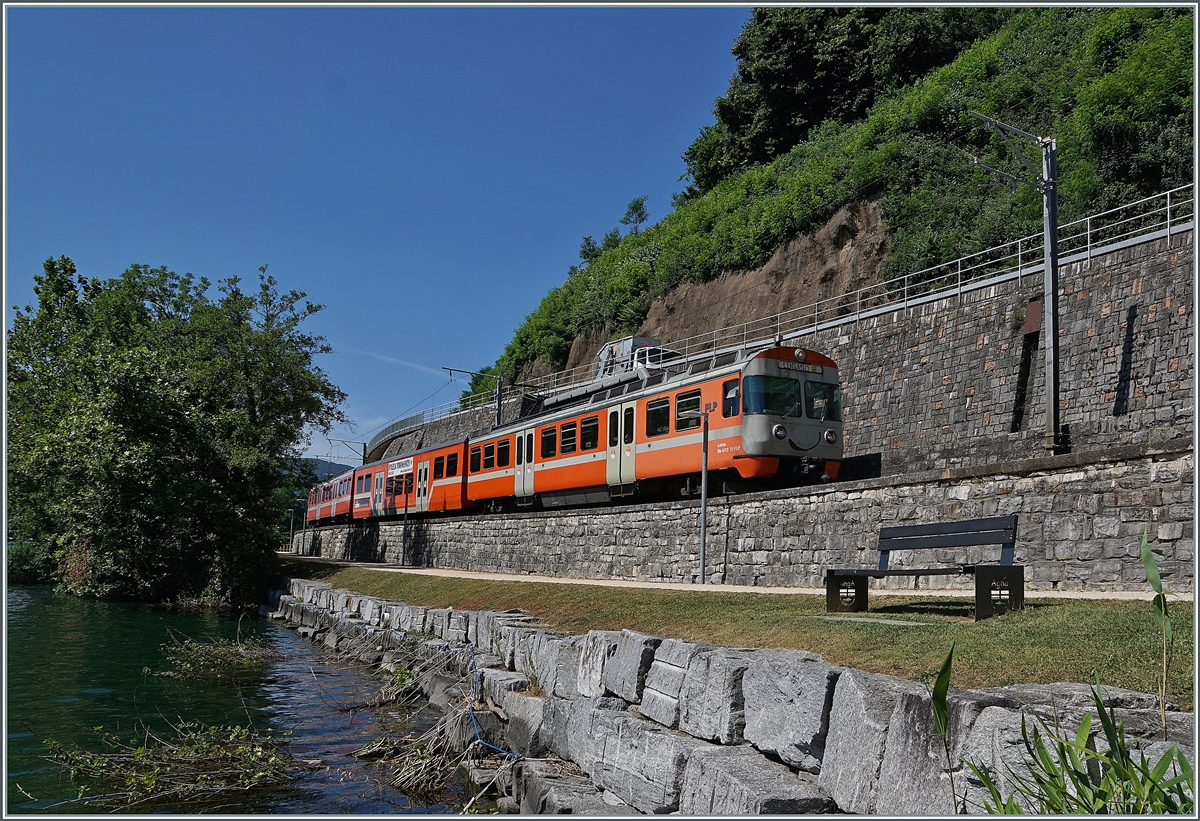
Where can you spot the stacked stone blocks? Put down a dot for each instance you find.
(721, 730)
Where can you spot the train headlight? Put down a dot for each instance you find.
(800, 354)
(831, 436)
(779, 431)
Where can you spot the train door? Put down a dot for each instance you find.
(377, 494)
(422, 486)
(523, 474)
(622, 445)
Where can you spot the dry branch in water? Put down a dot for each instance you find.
(199, 762)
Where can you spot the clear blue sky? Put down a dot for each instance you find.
(427, 174)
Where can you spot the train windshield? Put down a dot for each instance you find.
(823, 401)
(775, 395)
(781, 396)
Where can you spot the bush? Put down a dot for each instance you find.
(29, 563)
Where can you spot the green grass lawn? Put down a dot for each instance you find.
(1051, 640)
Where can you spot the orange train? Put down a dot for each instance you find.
(774, 416)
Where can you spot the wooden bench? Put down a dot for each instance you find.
(998, 587)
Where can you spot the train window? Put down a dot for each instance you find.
(520, 450)
(589, 433)
(489, 456)
(614, 435)
(685, 402)
(731, 392)
(358, 485)
(568, 438)
(439, 467)
(452, 464)
(529, 447)
(776, 395)
(549, 442)
(391, 487)
(408, 482)
(822, 401)
(658, 417)
(628, 437)
(379, 481)
(502, 449)
(475, 460)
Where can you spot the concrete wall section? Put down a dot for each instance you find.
(1081, 518)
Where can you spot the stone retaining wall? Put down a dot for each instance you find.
(663, 725)
(942, 384)
(1081, 518)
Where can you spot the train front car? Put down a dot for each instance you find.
(791, 416)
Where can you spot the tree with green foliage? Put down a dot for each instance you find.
(151, 431)
(611, 240)
(588, 250)
(636, 214)
(799, 67)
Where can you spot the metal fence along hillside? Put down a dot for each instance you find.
(1141, 221)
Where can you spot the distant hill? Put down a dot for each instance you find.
(325, 468)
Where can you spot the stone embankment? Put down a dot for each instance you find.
(662, 725)
(1080, 522)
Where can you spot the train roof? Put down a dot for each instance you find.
(413, 453)
(672, 376)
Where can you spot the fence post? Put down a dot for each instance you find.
(1168, 219)
(1089, 241)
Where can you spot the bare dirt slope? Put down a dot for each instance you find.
(844, 255)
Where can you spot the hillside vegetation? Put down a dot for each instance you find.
(1114, 87)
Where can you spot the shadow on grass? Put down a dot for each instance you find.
(307, 570)
(949, 609)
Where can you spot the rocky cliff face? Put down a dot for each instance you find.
(844, 255)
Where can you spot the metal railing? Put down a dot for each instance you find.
(1018, 259)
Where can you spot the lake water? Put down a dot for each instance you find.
(74, 665)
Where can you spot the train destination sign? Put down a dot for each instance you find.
(400, 467)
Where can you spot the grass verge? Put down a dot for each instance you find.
(1050, 641)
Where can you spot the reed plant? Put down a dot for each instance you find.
(1064, 774)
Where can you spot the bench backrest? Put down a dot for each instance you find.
(1001, 530)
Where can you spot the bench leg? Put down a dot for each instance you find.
(845, 594)
(998, 589)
